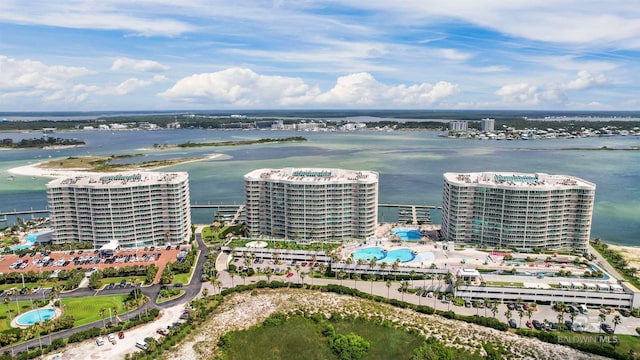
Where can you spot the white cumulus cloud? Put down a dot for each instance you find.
(24, 74)
(243, 87)
(132, 84)
(138, 65)
(585, 80)
(552, 94)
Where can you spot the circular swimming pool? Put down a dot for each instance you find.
(369, 253)
(403, 255)
(35, 316)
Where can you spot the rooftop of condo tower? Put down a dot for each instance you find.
(120, 179)
(525, 180)
(313, 175)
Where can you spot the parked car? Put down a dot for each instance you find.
(537, 324)
(100, 341)
(121, 335)
(511, 306)
(512, 324)
(624, 312)
(607, 328)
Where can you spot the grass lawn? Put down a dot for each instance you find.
(5, 319)
(163, 299)
(87, 309)
(304, 340)
(18, 285)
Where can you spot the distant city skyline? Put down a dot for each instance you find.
(80, 55)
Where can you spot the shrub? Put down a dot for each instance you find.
(350, 346)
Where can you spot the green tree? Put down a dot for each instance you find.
(616, 321)
(350, 346)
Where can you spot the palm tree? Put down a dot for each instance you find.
(302, 275)
(115, 313)
(521, 315)
(372, 262)
(218, 284)
(298, 272)
(403, 288)
(268, 273)
(322, 268)
(529, 313)
(341, 275)
(485, 302)
(560, 317)
(102, 312)
(388, 283)
(243, 275)
(449, 300)
(395, 265)
(508, 314)
(205, 292)
(603, 318)
(616, 321)
(412, 274)
(383, 266)
(312, 272)
(494, 309)
(356, 277)
(7, 301)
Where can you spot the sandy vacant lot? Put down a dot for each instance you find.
(89, 350)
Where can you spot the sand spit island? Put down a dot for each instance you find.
(190, 144)
(73, 165)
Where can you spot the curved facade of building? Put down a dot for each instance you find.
(521, 211)
(135, 209)
(311, 204)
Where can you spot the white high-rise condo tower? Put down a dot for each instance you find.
(516, 210)
(134, 209)
(311, 204)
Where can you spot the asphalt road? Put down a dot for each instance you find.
(191, 291)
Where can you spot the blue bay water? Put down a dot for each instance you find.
(410, 163)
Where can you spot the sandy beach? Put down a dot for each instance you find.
(629, 253)
(39, 171)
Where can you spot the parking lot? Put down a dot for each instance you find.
(89, 259)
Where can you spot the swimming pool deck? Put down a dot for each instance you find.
(14, 321)
(476, 259)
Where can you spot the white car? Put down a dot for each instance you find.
(100, 341)
(111, 337)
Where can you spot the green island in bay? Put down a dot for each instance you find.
(43, 142)
(103, 163)
(190, 144)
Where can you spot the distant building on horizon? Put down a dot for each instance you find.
(458, 125)
(518, 210)
(488, 124)
(311, 204)
(135, 209)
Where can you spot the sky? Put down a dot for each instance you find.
(89, 55)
